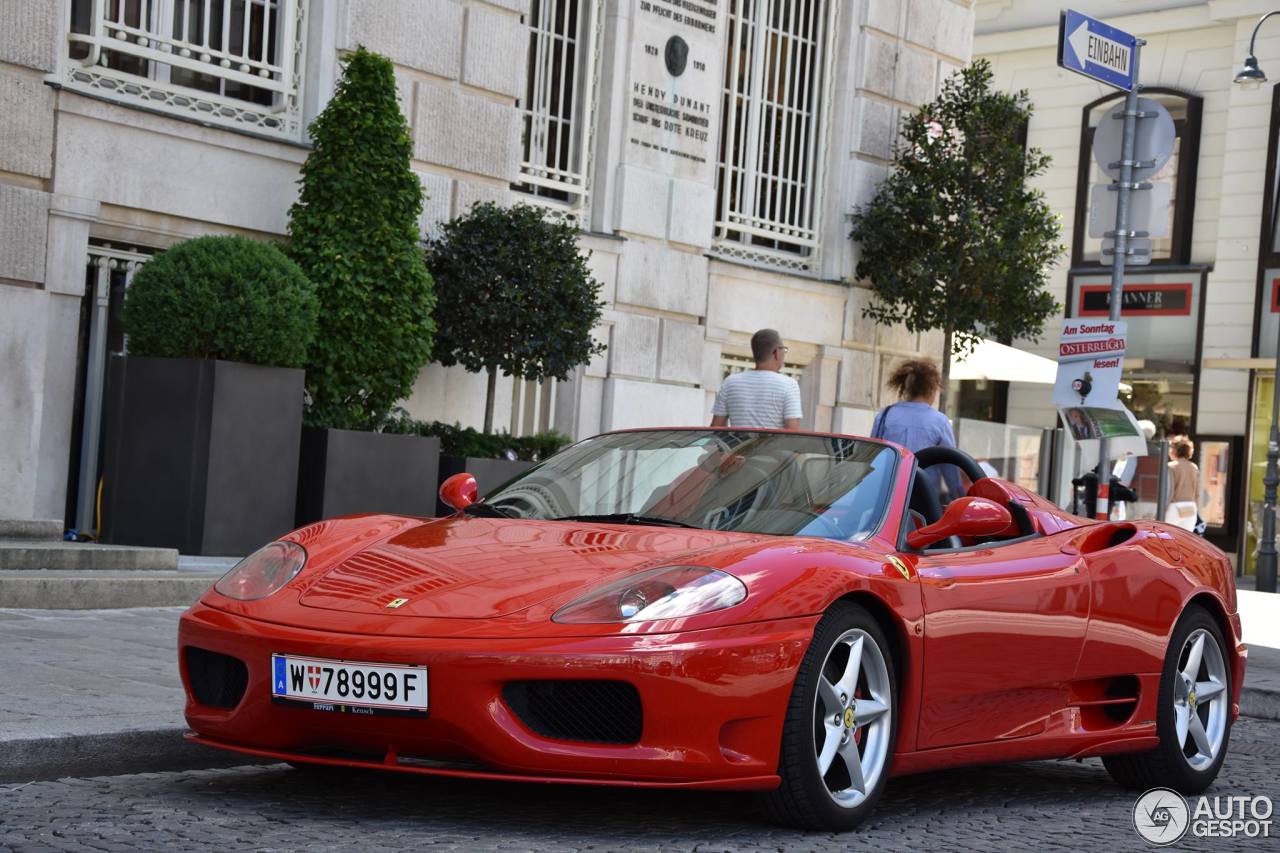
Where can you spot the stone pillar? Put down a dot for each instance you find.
(656, 129)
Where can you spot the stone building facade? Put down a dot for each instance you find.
(710, 151)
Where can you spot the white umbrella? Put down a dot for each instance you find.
(993, 361)
(990, 360)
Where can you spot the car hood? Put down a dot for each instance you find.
(480, 568)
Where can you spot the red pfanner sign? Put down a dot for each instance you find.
(1138, 300)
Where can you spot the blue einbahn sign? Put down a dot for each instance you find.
(1088, 46)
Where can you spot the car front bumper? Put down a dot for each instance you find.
(713, 702)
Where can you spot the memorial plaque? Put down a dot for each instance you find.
(676, 83)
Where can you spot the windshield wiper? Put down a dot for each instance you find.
(488, 510)
(629, 518)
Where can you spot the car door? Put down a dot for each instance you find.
(1003, 630)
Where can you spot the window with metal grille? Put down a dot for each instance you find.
(772, 132)
(731, 364)
(236, 63)
(556, 111)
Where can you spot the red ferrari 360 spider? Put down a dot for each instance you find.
(782, 612)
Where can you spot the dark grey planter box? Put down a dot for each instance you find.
(201, 455)
(489, 473)
(344, 471)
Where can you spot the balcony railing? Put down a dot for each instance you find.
(233, 63)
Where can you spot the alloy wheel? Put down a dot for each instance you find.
(1200, 699)
(852, 718)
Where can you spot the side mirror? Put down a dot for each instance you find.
(966, 516)
(459, 491)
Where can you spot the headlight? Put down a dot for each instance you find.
(672, 592)
(263, 572)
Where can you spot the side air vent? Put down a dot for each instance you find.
(217, 680)
(1106, 702)
(1106, 535)
(587, 711)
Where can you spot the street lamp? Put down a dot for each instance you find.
(1251, 76)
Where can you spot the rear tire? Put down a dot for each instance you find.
(839, 717)
(1193, 712)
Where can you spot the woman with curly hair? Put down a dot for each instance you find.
(913, 421)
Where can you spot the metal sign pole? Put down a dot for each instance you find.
(1162, 478)
(1123, 188)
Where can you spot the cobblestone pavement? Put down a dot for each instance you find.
(1034, 806)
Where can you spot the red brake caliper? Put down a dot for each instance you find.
(857, 733)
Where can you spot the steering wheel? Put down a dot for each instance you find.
(938, 455)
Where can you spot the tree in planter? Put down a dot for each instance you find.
(355, 233)
(194, 458)
(954, 239)
(222, 298)
(518, 295)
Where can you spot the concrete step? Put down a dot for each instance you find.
(27, 554)
(30, 528)
(102, 589)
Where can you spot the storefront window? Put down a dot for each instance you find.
(1259, 430)
(978, 399)
(1161, 394)
(1215, 481)
(1180, 171)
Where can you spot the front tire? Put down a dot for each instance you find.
(1193, 717)
(840, 728)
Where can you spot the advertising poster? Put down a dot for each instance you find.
(1085, 422)
(1090, 361)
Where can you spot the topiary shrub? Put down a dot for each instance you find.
(355, 233)
(518, 295)
(225, 298)
(457, 440)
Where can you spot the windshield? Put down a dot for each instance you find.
(756, 482)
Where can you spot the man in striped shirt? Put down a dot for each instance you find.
(762, 397)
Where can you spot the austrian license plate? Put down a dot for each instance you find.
(348, 686)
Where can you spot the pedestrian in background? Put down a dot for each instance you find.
(913, 421)
(762, 397)
(1184, 484)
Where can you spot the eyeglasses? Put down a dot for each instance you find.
(785, 350)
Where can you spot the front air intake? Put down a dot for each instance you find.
(216, 680)
(587, 711)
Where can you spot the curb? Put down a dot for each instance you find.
(101, 589)
(166, 749)
(1260, 703)
(109, 754)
